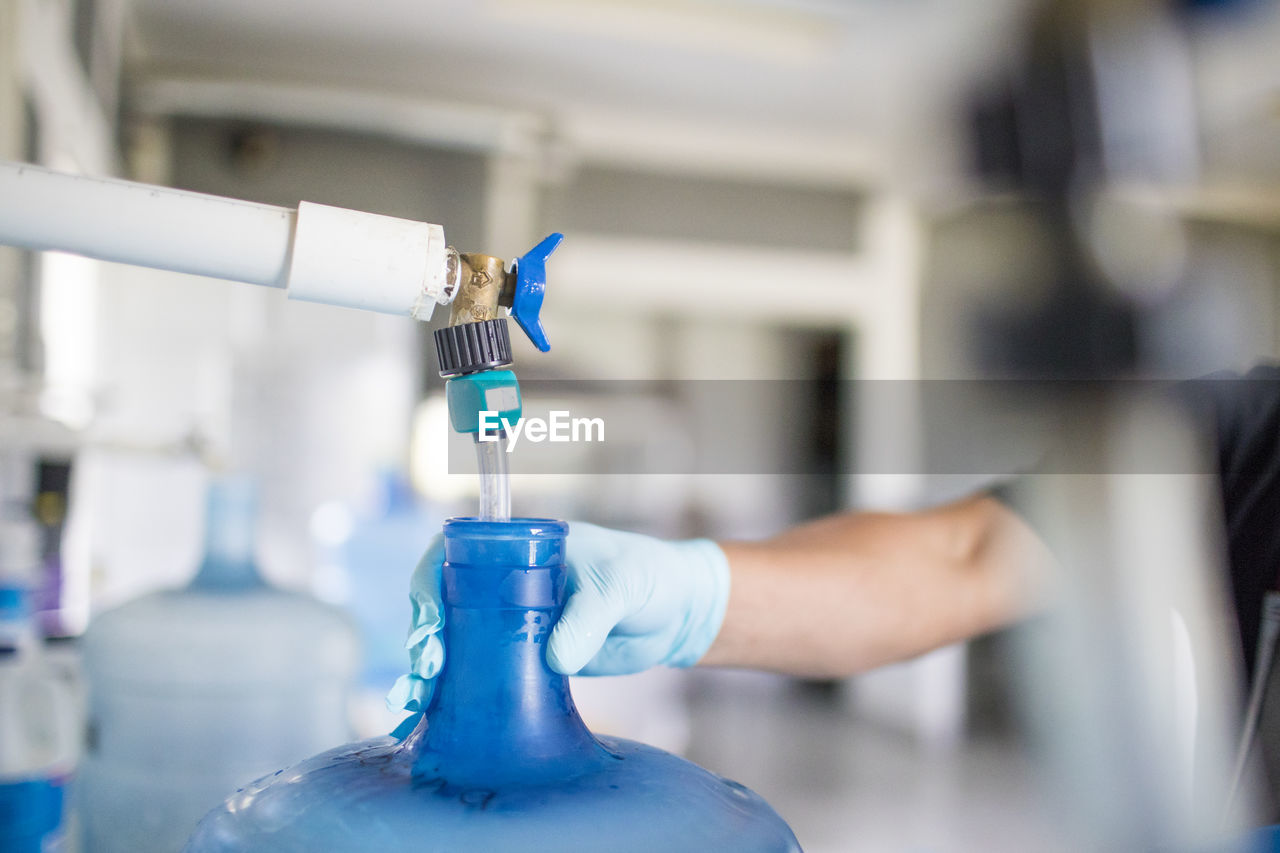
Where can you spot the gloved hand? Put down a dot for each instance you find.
(637, 602)
(426, 650)
(634, 602)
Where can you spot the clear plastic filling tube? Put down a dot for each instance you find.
(495, 486)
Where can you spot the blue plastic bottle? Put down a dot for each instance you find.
(40, 719)
(501, 761)
(375, 559)
(196, 691)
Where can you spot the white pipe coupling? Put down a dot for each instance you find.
(369, 261)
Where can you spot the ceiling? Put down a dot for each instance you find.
(885, 76)
(871, 71)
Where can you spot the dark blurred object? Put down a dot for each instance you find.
(53, 494)
(1199, 5)
(1101, 98)
(1101, 102)
(1038, 136)
(1038, 130)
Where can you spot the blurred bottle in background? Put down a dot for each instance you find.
(195, 692)
(53, 493)
(40, 715)
(367, 554)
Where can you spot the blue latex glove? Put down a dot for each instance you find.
(634, 602)
(426, 650)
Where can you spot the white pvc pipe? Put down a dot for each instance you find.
(148, 226)
(319, 253)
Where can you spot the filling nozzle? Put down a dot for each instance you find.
(481, 284)
(474, 350)
(477, 286)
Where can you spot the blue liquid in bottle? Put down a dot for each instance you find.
(501, 760)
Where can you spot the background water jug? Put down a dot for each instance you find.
(195, 692)
(376, 547)
(500, 760)
(39, 713)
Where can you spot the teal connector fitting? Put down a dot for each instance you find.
(495, 392)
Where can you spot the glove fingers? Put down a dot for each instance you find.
(625, 656)
(426, 651)
(424, 594)
(411, 693)
(426, 660)
(424, 585)
(584, 626)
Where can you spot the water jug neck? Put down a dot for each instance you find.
(230, 537)
(498, 710)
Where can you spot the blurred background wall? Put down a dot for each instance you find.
(761, 190)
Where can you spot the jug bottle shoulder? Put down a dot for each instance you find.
(500, 761)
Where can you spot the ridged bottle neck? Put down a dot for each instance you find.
(498, 710)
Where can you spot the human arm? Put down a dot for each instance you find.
(832, 597)
(853, 591)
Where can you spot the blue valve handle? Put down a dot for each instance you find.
(531, 285)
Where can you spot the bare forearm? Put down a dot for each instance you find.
(850, 592)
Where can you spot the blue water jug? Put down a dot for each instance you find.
(500, 761)
(196, 691)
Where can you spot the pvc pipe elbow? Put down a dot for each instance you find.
(368, 261)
